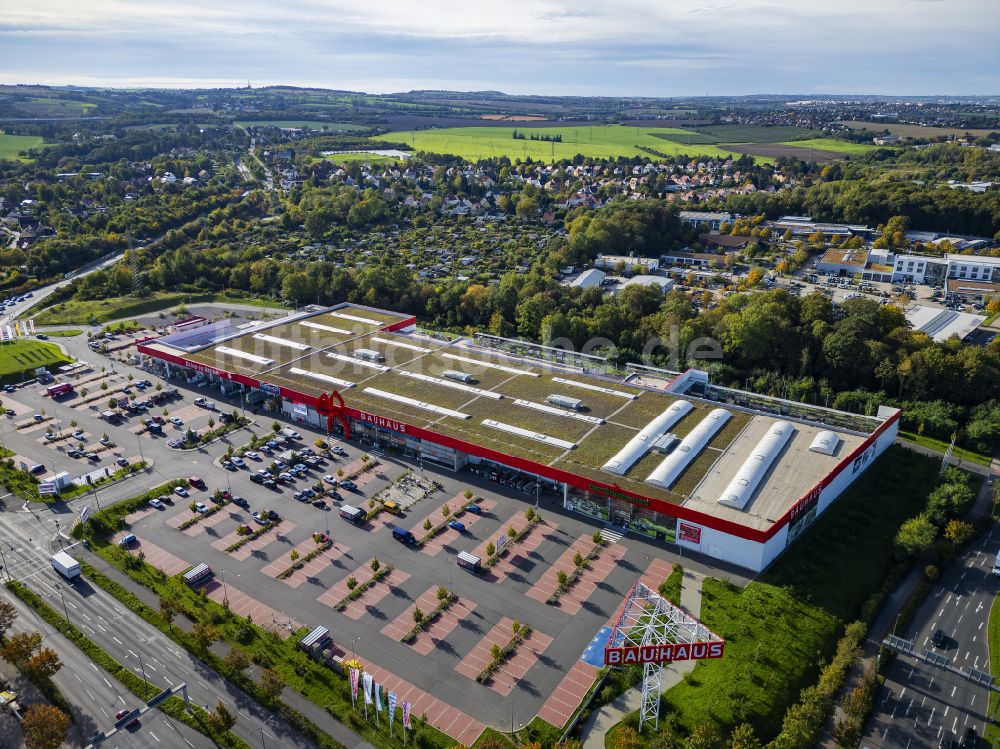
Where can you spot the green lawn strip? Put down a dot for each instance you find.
(100, 526)
(578, 569)
(671, 587)
(63, 333)
(429, 618)
(941, 446)
(500, 657)
(199, 516)
(244, 540)
(513, 540)
(211, 435)
(100, 311)
(992, 730)
(779, 627)
(25, 485)
(173, 706)
(360, 588)
(436, 529)
(303, 561)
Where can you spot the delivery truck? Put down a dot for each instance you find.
(65, 565)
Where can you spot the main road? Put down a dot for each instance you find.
(923, 704)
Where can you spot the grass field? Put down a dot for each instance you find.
(916, 131)
(11, 145)
(600, 141)
(740, 134)
(360, 156)
(960, 453)
(832, 144)
(779, 627)
(102, 310)
(48, 107)
(19, 359)
(304, 124)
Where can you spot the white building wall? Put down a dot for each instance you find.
(724, 546)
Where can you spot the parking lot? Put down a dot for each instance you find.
(436, 672)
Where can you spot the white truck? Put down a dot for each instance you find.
(65, 565)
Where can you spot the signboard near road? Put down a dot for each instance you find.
(47, 487)
(270, 389)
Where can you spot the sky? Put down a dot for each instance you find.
(552, 47)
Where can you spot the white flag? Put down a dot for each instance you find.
(378, 697)
(392, 709)
(366, 680)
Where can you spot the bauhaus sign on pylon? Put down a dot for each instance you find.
(675, 651)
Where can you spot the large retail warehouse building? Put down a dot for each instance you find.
(734, 475)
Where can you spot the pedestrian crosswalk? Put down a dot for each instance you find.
(611, 536)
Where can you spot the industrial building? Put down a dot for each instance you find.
(732, 474)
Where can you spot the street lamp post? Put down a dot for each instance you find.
(354, 642)
(65, 610)
(262, 727)
(225, 591)
(138, 440)
(3, 561)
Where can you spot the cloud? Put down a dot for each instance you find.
(649, 47)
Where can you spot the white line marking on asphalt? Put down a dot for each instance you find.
(953, 690)
(959, 620)
(91, 695)
(954, 726)
(77, 677)
(117, 640)
(106, 713)
(931, 716)
(132, 653)
(945, 713)
(154, 735)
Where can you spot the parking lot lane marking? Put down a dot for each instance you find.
(77, 677)
(954, 725)
(971, 700)
(959, 620)
(153, 735)
(945, 713)
(953, 690)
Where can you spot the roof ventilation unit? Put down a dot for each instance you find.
(636, 447)
(565, 401)
(737, 495)
(369, 355)
(826, 443)
(672, 466)
(454, 374)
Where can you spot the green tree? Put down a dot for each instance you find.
(959, 532)
(704, 736)
(44, 727)
(7, 616)
(19, 648)
(270, 683)
(916, 535)
(44, 664)
(203, 634)
(221, 719)
(237, 659)
(743, 737)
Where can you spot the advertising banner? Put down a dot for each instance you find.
(689, 533)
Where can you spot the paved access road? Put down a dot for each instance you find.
(95, 696)
(921, 703)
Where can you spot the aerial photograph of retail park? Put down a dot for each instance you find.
(557, 378)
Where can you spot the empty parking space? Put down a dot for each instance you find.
(246, 605)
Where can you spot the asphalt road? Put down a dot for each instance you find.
(922, 703)
(95, 696)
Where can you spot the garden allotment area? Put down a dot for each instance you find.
(728, 473)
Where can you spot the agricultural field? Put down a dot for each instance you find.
(832, 145)
(304, 124)
(12, 145)
(742, 134)
(601, 141)
(48, 107)
(19, 359)
(916, 131)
